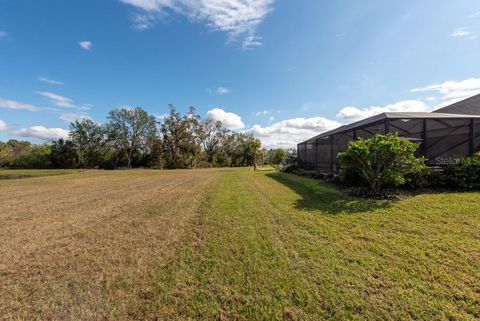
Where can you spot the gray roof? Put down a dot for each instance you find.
(392, 115)
(469, 106)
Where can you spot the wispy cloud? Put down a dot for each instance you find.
(85, 107)
(262, 113)
(41, 132)
(3, 34)
(57, 100)
(475, 15)
(11, 104)
(453, 91)
(50, 81)
(87, 45)
(460, 32)
(71, 117)
(351, 113)
(239, 19)
(223, 90)
(3, 126)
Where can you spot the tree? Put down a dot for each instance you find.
(181, 147)
(64, 154)
(382, 161)
(254, 145)
(88, 138)
(277, 156)
(130, 129)
(12, 150)
(37, 157)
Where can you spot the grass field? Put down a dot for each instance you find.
(27, 173)
(231, 245)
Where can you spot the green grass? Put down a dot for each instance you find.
(223, 244)
(27, 173)
(271, 246)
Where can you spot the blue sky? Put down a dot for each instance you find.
(282, 70)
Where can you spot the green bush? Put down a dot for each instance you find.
(290, 168)
(383, 161)
(38, 157)
(464, 174)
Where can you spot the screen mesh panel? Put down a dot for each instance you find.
(476, 139)
(411, 129)
(446, 140)
(310, 156)
(443, 141)
(369, 131)
(340, 144)
(323, 154)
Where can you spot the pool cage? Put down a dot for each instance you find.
(443, 137)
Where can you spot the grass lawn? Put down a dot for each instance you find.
(232, 245)
(27, 173)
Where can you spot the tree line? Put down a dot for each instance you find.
(132, 137)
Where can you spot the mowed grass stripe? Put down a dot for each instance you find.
(228, 269)
(417, 258)
(96, 258)
(272, 246)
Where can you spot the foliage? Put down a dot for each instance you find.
(64, 154)
(37, 157)
(180, 148)
(253, 147)
(277, 156)
(290, 168)
(88, 139)
(129, 130)
(464, 174)
(133, 138)
(382, 161)
(13, 150)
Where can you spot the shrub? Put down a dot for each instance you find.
(465, 174)
(422, 177)
(290, 168)
(38, 157)
(382, 161)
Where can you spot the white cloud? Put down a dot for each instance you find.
(251, 42)
(229, 120)
(3, 34)
(460, 32)
(71, 117)
(288, 133)
(41, 132)
(50, 81)
(86, 107)
(475, 15)
(262, 113)
(143, 21)
(3, 126)
(11, 104)
(238, 18)
(57, 100)
(223, 90)
(453, 91)
(87, 45)
(353, 113)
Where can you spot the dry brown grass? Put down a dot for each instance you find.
(85, 246)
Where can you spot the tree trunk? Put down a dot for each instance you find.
(255, 160)
(129, 159)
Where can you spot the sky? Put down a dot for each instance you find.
(281, 70)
